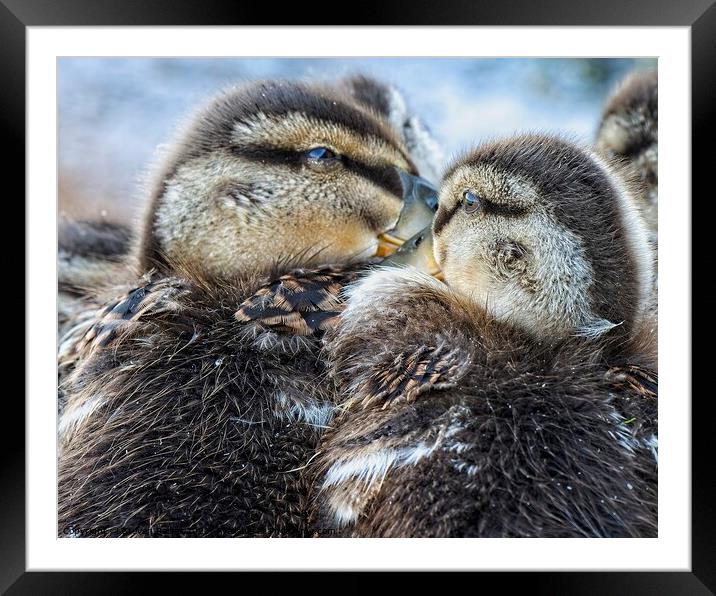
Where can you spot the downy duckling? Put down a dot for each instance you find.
(629, 131)
(198, 397)
(520, 398)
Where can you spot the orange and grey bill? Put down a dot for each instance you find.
(419, 200)
(387, 245)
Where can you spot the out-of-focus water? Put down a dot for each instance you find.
(114, 112)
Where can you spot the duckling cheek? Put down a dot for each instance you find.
(342, 241)
(369, 251)
(465, 265)
(449, 265)
(364, 243)
(378, 211)
(439, 251)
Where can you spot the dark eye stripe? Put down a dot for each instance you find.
(443, 216)
(385, 177)
(504, 209)
(266, 154)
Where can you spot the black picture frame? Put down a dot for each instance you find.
(700, 15)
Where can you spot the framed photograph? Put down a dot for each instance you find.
(512, 148)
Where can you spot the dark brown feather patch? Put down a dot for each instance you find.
(118, 314)
(411, 374)
(637, 379)
(301, 303)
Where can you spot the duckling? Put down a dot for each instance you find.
(629, 131)
(518, 398)
(199, 395)
(230, 232)
(94, 254)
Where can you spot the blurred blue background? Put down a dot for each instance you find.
(114, 112)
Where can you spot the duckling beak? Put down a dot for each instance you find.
(417, 252)
(420, 201)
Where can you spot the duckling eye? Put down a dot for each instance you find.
(471, 201)
(321, 153)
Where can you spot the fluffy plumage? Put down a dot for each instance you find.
(234, 184)
(555, 240)
(195, 398)
(184, 421)
(502, 435)
(483, 408)
(387, 100)
(88, 253)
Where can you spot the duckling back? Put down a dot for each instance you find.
(456, 424)
(193, 416)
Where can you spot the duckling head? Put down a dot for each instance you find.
(543, 233)
(629, 131)
(278, 172)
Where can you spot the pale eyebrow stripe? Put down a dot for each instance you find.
(294, 131)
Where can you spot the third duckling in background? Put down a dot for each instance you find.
(629, 131)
